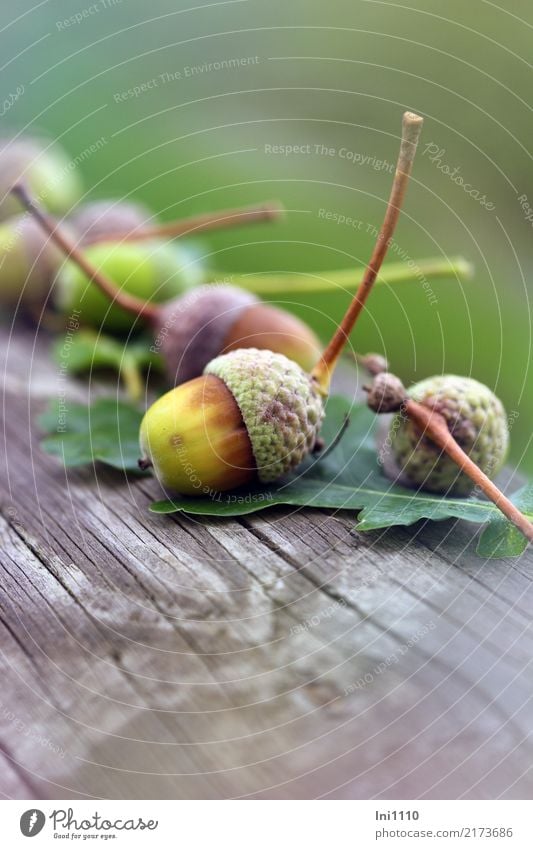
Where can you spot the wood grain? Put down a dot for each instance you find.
(282, 655)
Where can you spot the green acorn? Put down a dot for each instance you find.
(153, 272)
(44, 168)
(117, 240)
(475, 418)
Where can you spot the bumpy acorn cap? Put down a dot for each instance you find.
(192, 330)
(279, 404)
(475, 417)
(101, 218)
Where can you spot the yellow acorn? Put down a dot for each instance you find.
(253, 415)
(196, 440)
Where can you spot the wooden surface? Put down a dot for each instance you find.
(281, 655)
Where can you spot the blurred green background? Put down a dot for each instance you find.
(337, 74)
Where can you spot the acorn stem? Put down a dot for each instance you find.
(132, 378)
(345, 278)
(223, 218)
(411, 128)
(433, 425)
(130, 303)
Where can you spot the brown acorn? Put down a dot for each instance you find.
(281, 406)
(191, 330)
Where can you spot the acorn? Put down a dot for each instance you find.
(200, 437)
(45, 168)
(450, 436)
(151, 271)
(188, 330)
(476, 419)
(116, 238)
(253, 415)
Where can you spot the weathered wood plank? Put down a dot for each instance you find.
(283, 654)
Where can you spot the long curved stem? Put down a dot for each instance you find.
(348, 279)
(132, 378)
(411, 128)
(130, 303)
(223, 218)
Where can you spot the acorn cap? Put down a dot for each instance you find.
(101, 218)
(280, 406)
(476, 419)
(192, 330)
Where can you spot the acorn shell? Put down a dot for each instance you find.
(195, 439)
(29, 262)
(45, 168)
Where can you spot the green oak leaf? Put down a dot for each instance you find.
(107, 431)
(87, 351)
(500, 538)
(349, 478)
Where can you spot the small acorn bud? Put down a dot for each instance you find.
(386, 394)
(45, 169)
(214, 319)
(373, 363)
(254, 415)
(475, 418)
